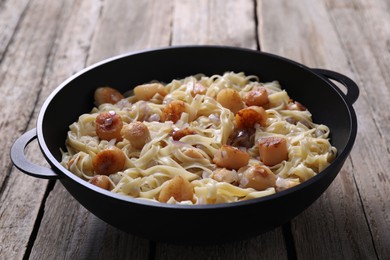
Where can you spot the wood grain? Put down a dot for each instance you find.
(22, 205)
(122, 29)
(332, 40)
(30, 47)
(69, 231)
(11, 13)
(77, 234)
(266, 246)
(215, 22)
(43, 42)
(21, 196)
(367, 47)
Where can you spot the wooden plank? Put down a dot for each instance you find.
(335, 226)
(127, 31)
(21, 73)
(46, 41)
(366, 42)
(222, 23)
(90, 34)
(35, 75)
(266, 246)
(69, 231)
(11, 12)
(19, 205)
(215, 22)
(25, 51)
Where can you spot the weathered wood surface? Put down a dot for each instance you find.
(43, 42)
(326, 46)
(353, 38)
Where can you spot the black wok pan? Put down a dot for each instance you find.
(192, 224)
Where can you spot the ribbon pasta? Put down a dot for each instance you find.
(207, 127)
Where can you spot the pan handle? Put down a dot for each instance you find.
(352, 88)
(20, 161)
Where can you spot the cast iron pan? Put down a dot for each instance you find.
(201, 224)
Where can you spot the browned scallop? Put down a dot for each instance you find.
(148, 91)
(230, 99)
(101, 181)
(231, 157)
(108, 125)
(107, 95)
(172, 111)
(137, 133)
(179, 188)
(256, 97)
(247, 117)
(109, 161)
(178, 134)
(273, 150)
(257, 177)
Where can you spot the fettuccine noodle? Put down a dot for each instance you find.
(203, 141)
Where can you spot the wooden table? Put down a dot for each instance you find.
(43, 42)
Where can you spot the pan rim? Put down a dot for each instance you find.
(64, 173)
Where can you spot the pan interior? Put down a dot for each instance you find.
(76, 96)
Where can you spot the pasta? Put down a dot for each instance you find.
(198, 140)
